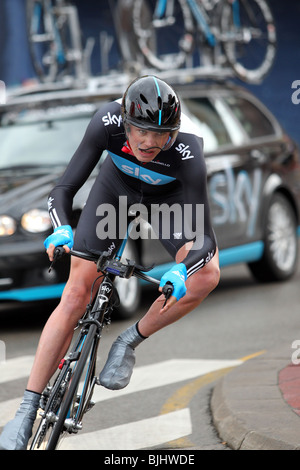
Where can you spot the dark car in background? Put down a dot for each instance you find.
(253, 183)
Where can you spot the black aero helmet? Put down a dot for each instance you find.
(151, 104)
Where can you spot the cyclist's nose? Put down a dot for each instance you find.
(151, 140)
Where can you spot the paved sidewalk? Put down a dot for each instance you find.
(256, 406)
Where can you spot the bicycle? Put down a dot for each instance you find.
(55, 40)
(65, 402)
(242, 30)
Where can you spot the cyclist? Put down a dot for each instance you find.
(154, 156)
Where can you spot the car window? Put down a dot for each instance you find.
(208, 120)
(43, 143)
(255, 123)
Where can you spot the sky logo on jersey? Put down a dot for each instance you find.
(184, 151)
(112, 119)
(141, 173)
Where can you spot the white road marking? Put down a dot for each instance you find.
(132, 436)
(17, 368)
(143, 378)
(164, 373)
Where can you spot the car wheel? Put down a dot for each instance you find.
(129, 290)
(280, 256)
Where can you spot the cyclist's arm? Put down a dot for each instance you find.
(193, 177)
(78, 170)
(192, 174)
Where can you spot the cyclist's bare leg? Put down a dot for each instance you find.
(199, 285)
(58, 331)
(118, 368)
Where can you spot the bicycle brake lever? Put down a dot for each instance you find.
(58, 253)
(167, 291)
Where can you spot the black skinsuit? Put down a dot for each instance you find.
(175, 176)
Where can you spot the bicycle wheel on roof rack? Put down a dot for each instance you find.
(47, 35)
(164, 38)
(248, 35)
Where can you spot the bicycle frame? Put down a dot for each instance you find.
(94, 321)
(63, 397)
(200, 16)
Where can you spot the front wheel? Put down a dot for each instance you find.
(70, 403)
(280, 256)
(249, 38)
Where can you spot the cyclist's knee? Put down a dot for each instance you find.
(77, 291)
(75, 295)
(212, 273)
(205, 280)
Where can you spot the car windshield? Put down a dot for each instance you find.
(44, 143)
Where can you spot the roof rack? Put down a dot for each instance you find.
(105, 87)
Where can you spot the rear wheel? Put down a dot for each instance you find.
(280, 256)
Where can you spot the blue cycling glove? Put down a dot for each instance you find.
(177, 276)
(61, 236)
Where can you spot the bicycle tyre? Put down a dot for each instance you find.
(256, 36)
(126, 40)
(73, 385)
(52, 406)
(151, 39)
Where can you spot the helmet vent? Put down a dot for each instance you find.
(151, 115)
(143, 98)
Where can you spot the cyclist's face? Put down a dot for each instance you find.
(146, 145)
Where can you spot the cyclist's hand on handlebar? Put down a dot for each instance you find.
(176, 276)
(62, 236)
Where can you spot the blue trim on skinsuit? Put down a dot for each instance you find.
(140, 173)
(240, 254)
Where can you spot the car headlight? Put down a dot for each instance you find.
(36, 220)
(7, 226)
